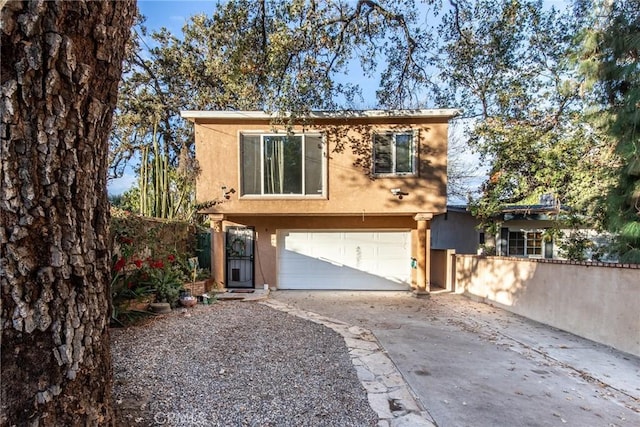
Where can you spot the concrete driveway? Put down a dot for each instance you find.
(471, 364)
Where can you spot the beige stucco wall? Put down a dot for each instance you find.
(442, 268)
(600, 303)
(350, 190)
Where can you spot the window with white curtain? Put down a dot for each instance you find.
(274, 164)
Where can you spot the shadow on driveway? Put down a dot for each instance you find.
(471, 364)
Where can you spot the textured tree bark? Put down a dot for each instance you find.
(61, 64)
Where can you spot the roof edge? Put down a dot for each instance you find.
(194, 115)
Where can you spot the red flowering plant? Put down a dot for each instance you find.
(164, 276)
(134, 277)
(126, 271)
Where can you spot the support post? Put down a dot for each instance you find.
(217, 251)
(423, 255)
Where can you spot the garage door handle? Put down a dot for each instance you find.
(331, 261)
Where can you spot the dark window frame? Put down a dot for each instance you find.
(390, 167)
(525, 243)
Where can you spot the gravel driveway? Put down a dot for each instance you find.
(235, 364)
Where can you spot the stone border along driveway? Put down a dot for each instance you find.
(388, 393)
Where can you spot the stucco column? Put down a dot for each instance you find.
(423, 254)
(217, 250)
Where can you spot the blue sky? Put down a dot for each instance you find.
(173, 14)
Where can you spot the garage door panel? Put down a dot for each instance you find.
(297, 262)
(393, 253)
(338, 277)
(358, 260)
(311, 260)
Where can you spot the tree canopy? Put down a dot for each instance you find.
(509, 64)
(609, 60)
(518, 68)
(522, 72)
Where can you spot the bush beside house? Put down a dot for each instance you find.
(149, 260)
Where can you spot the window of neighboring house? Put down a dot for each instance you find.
(525, 243)
(394, 153)
(282, 164)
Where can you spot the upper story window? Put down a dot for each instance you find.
(282, 164)
(394, 153)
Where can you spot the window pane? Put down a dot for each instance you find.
(382, 152)
(282, 165)
(534, 243)
(404, 161)
(313, 164)
(273, 165)
(250, 161)
(516, 243)
(293, 165)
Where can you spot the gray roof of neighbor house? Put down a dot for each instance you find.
(536, 209)
(355, 114)
(458, 208)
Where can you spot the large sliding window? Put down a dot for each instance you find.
(282, 164)
(394, 153)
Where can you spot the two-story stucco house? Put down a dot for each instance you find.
(341, 201)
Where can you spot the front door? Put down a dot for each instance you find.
(240, 250)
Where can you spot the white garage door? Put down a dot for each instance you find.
(356, 260)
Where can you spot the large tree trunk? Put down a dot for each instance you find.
(61, 64)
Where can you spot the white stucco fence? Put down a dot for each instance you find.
(595, 301)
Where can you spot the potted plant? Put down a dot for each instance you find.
(188, 301)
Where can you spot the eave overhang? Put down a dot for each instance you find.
(201, 115)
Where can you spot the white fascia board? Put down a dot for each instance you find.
(339, 114)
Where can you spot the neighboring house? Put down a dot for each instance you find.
(343, 201)
(456, 229)
(522, 232)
